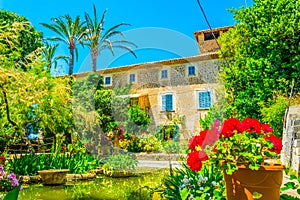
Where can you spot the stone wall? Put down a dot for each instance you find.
(290, 154)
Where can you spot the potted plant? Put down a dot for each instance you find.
(9, 184)
(120, 165)
(241, 150)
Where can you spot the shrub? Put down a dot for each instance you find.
(150, 143)
(274, 115)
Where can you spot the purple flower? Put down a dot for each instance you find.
(14, 182)
(11, 176)
(2, 172)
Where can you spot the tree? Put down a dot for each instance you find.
(70, 32)
(262, 56)
(50, 58)
(20, 89)
(97, 39)
(26, 38)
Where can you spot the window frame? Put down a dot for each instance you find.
(134, 77)
(104, 80)
(161, 74)
(198, 99)
(164, 107)
(188, 71)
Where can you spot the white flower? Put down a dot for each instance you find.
(214, 183)
(201, 188)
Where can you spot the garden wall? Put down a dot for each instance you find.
(290, 154)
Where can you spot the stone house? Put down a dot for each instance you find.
(181, 87)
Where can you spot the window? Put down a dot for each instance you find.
(107, 80)
(131, 78)
(204, 99)
(164, 74)
(209, 35)
(191, 71)
(167, 102)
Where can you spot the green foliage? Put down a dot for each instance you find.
(184, 183)
(131, 143)
(13, 195)
(293, 184)
(70, 32)
(274, 115)
(262, 55)
(215, 113)
(123, 162)
(22, 38)
(138, 120)
(149, 143)
(30, 164)
(171, 147)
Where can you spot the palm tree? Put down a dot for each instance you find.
(97, 39)
(50, 58)
(69, 32)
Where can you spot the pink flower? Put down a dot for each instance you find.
(266, 128)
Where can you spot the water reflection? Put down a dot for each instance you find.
(138, 187)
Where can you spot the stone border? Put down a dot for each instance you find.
(159, 156)
(70, 177)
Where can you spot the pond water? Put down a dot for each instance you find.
(131, 188)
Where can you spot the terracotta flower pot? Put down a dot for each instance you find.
(53, 176)
(244, 182)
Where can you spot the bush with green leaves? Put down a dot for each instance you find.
(138, 120)
(183, 183)
(261, 55)
(274, 114)
(172, 147)
(149, 143)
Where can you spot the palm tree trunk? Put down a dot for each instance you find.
(71, 63)
(94, 55)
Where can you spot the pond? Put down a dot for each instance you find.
(136, 187)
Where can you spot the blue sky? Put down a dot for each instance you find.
(162, 29)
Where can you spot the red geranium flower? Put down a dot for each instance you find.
(251, 125)
(266, 128)
(197, 140)
(2, 157)
(195, 158)
(230, 127)
(276, 142)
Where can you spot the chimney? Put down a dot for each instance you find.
(206, 41)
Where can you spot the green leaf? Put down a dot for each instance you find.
(257, 195)
(184, 194)
(13, 195)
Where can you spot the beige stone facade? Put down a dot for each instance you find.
(184, 79)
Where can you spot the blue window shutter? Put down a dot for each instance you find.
(164, 73)
(163, 102)
(204, 99)
(169, 102)
(191, 71)
(132, 78)
(107, 80)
